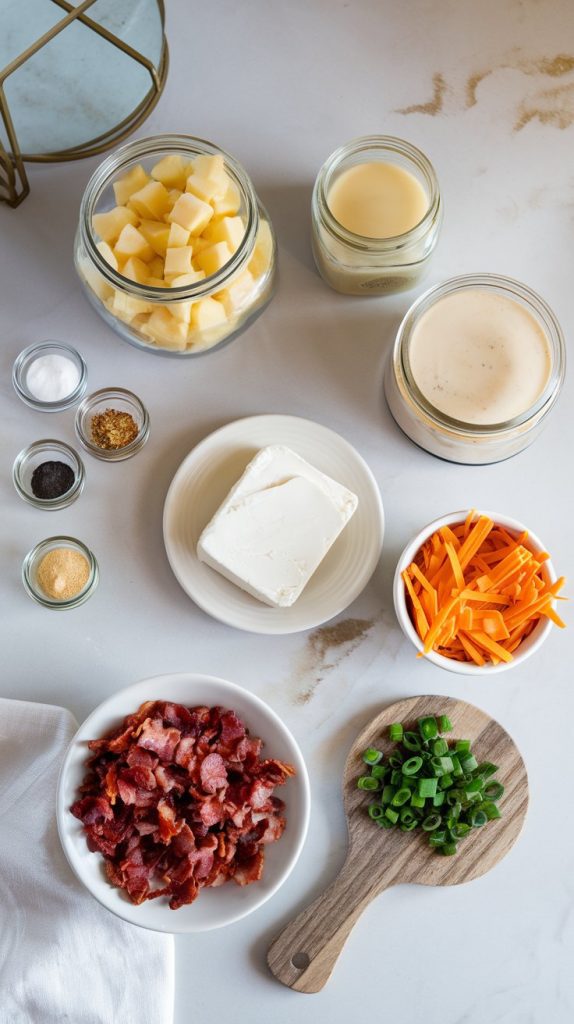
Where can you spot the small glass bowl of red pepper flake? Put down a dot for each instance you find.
(112, 424)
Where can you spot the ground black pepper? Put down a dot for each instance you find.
(52, 479)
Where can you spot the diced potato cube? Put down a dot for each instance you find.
(182, 310)
(132, 243)
(109, 225)
(177, 236)
(262, 250)
(207, 313)
(228, 229)
(166, 331)
(108, 254)
(211, 169)
(171, 171)
(131, 182)
(151, 201)
(136, 270)
(237, 293)
(177, 261)
(126, 307)
(203, 188)
(157, 282)
(155, 267)
(186, 279)
(213, 258)
(191, 213)
(230, 203)
(156, 232)
(95, 281)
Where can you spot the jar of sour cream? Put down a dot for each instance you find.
(477, 365)
(376, 214)
(173, 248)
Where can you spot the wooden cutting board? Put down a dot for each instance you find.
(305, 953)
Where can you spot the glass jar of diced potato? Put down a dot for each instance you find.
(174, 249)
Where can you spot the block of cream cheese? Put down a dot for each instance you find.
(276, 526)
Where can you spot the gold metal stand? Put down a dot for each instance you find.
(14, 186)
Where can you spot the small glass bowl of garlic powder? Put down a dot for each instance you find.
(60, 572)
(50, 376)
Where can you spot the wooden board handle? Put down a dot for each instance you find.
(304, 954)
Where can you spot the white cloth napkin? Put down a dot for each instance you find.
(64, 959)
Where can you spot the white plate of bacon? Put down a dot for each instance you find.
(183, 803)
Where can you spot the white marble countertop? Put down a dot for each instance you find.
(280, 86)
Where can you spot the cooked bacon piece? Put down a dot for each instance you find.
(177, 799)
(249, 870)
(213, 773)
(154, 736)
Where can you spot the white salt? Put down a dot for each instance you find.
(51, 378)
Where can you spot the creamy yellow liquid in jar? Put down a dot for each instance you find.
(479, 357)
(377, 200)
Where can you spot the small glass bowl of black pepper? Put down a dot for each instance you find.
(49, 474)
(112, 424)
(60, 573)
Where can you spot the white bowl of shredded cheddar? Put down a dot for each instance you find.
(475, 592)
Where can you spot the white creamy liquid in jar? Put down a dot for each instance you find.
(479, 357)
(377, 200)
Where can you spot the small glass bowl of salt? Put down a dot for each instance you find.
(50, 376)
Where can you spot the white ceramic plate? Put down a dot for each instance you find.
(203, 481)
(213, 908)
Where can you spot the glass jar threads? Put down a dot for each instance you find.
(173, 248)
(376, 214)
(477, 366)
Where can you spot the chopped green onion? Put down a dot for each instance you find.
(412, 766)
(430, 784)
(493, 790)
(440, 747)
(490, 809)
(468, 762)
(372, 756)
(401, 797)
(431, 822)
(428, 727)
(367, 782)
(460, 829)
(411, 741)
(426, 787)
(448, 849)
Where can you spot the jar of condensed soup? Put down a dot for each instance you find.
(477, 365)
(376, 214)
